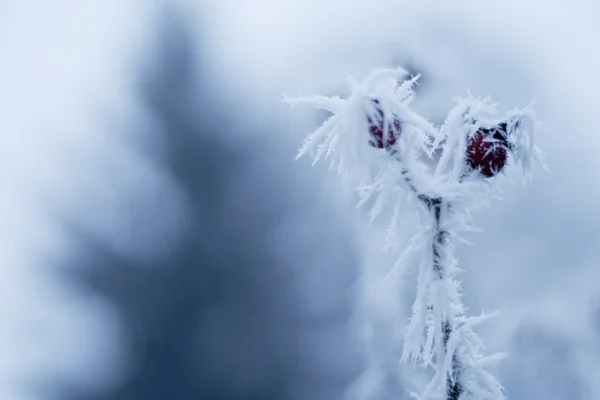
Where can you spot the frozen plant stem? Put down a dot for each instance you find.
(441, 240)
(453, 389)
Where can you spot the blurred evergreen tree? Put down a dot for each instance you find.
(227, 314)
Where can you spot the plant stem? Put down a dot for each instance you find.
(441, 240)
(453, 390)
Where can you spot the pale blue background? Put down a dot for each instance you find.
(144, 259)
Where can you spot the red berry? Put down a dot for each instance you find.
(487, 150)
(376, 130)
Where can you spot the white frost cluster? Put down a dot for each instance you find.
(425, 165)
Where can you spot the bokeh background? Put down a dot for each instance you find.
(159, 241)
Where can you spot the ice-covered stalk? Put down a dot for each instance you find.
(440, 254)
(439, 247)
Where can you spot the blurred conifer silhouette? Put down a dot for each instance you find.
(223, 316)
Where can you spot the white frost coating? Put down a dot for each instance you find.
(426, 165)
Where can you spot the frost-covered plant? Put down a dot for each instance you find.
(395, 157)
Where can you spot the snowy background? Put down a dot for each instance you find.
(159, 241)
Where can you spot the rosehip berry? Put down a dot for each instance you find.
(378, 141)
(487, 150)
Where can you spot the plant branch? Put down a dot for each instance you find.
(453, 387)
(441, 239)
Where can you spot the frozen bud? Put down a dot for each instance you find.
(376, 127)
(487, 150)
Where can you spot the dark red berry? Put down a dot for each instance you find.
(487, 150)
(376, 130)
